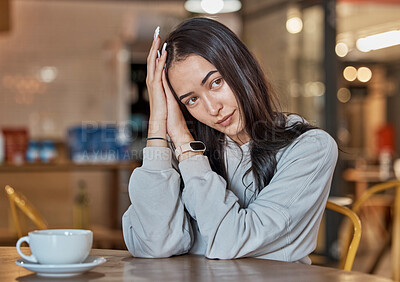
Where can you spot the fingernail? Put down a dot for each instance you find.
(163, 48)
(156, 32)
(158, 54)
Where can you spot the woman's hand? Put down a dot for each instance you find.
(176, 125)
(158, 102)
(155, 66)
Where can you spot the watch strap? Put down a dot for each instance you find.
(187, 147)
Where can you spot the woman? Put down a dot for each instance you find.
(251, 181)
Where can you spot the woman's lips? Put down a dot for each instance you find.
(227, 120)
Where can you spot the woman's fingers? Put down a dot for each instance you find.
(151, 58)
(160, 64)
(176, 124)
(155, 66)
(172, 103)
(167, 90)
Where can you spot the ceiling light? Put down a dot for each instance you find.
(213, 6)
(294, 25)
(379, 41)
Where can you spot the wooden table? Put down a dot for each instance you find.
(362, 177)
(121, 266)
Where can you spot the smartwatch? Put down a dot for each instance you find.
(194, 146)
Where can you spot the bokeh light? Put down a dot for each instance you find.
(341, 49)
(350, 73)
(294, 25)
(364, 74)
(343, 95)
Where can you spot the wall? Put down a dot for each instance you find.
(265, 35)
(292, 62)
(80, 39)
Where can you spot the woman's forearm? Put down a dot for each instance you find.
(157, 129)
(156, 225)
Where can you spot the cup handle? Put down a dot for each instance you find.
(30, 258)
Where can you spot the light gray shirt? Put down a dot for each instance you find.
(219, 221)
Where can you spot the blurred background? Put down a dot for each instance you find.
(73, 99)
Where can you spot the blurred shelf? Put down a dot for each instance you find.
(70, 167)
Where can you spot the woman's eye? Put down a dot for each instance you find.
(216, 82)
(191, 101)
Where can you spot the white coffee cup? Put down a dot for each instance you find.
(57, 246)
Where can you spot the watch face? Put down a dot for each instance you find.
(197, 146)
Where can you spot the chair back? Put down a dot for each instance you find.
(18, 200)
(395, 249)
(350, 253)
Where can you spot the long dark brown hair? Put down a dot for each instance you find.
(263, 122)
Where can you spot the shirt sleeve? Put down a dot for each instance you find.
(282, 222)
(156, 224)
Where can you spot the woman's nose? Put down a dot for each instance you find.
(213, 105)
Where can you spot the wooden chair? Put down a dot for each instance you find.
(350, 253)
(395, 234)
(17, 200)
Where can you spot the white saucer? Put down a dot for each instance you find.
(62, 270)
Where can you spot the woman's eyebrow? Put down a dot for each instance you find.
(202, 83)
(185, 95)
(207, 76)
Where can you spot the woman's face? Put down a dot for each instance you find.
(207, 96)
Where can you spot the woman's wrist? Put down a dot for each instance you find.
(158, 116)
(157, 133)
(181, 139)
